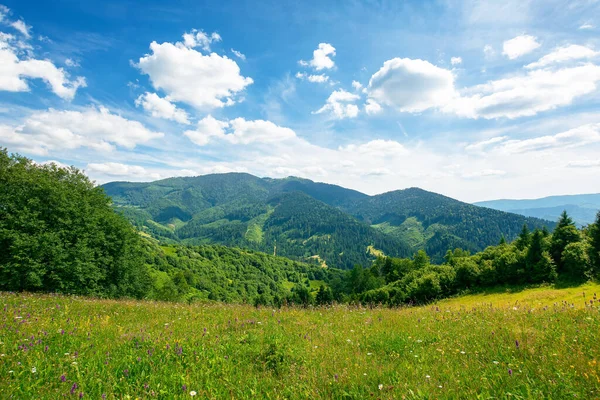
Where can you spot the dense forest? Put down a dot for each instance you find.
(309, 221)
(59, 233)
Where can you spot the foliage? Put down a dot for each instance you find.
(58, 233)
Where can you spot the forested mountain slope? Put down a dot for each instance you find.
(309, 221)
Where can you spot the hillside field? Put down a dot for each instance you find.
(538, 343)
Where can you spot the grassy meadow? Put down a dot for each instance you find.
(537, 343)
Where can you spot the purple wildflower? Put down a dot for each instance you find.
(517, 343)
(73, 388)
(63, 378)
(510, 372)
(184, 388)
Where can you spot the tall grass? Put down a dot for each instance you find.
(495, 347)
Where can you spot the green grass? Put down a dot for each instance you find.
(458, 348)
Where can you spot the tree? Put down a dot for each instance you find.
(58, 233)
(576, 260)
(594, 233)
(565, 233)
(524, 238)
(324, 295)
(539, 266)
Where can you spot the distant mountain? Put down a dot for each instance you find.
(309, 221)
(581, 207)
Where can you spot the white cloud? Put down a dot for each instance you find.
(357, 85)
(198, 38)
(322, 78)
(584, 164)
(456, 60)
(519, 46)
(488, 51)
(481, 146)
(96, 128)
(186, 75)
(69, 62)
(379, 172)
(411, 85)
(14, 69)
(484, 173)
(577, 137)
(321, 57)
(21, 27)
(239, 54)
(4, 11)
(339, 105)
(161, 108)
(563, 54)
(113, 169)
(376, 148)
(372, 107)
(238, 131)
(526, 95)
(206, 129)
(587, 26)
(318, 78)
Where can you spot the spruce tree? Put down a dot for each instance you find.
(565, 233)
(594, 233)
(524, 238)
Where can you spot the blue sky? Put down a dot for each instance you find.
(476, 100)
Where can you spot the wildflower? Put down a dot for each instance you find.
(33, 370)
(63, 378)
(427, 377)
(73, 388)
(462, 352)
(334, 377)
(184, 388)
(380, 386)
(517, 343)
(81, 395)
(74, 363)
(192, 393)
(510, 372)
(11, 372)
(126, 373)
(496, 362)
(2, 355)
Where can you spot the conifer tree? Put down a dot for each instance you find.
(565, 233)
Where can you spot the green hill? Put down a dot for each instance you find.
(309, 220)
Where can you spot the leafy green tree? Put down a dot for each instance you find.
(324, 296)
(576, 260)
(58, 233)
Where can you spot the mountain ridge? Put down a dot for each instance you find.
(309, 219)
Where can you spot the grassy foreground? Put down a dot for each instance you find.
(530, 344)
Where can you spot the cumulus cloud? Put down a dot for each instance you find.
(456, 60)
(238, 131)
(321, 57)
(95, 128)
(160, 107)
(519, 46)
(357, 85)
(198, 38)
(339, 105)
(411, 85)
(564, 54)
(16, 68)
(188, 76)
(372, 107)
